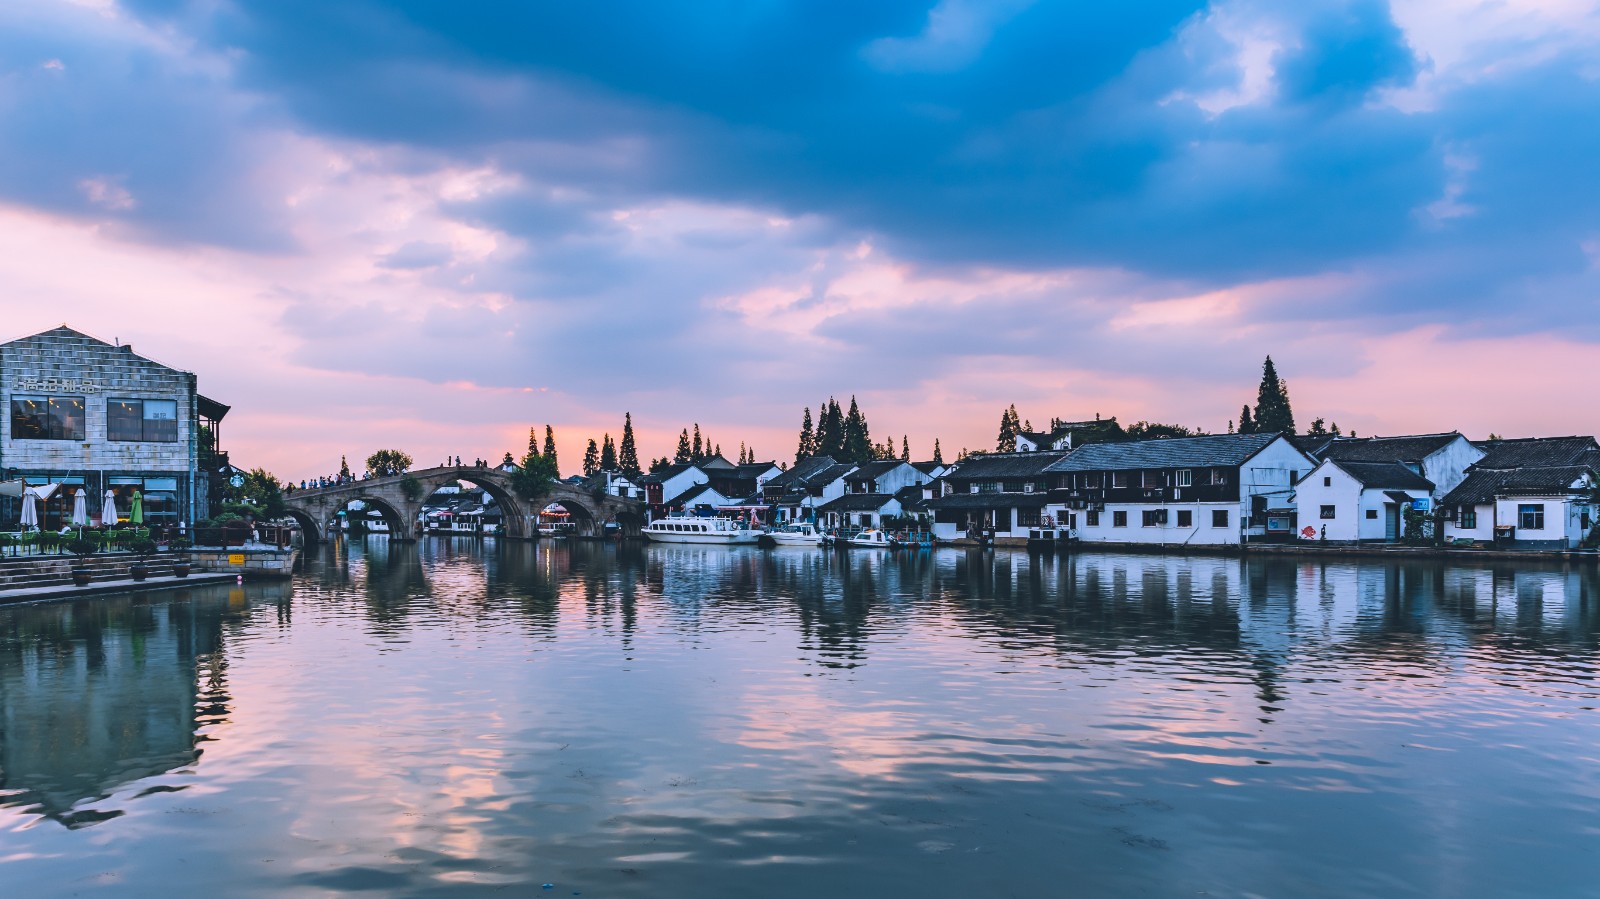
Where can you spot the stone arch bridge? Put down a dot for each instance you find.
(315, 508)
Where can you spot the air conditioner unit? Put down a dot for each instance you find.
(1027, 488)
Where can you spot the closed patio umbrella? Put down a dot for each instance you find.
(108, 509)
(136, 508)
(80, 508)
(30, 510)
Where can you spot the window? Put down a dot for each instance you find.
(1155, 517)
(1119, 519)
(1091, 519)
(1327, 482)
(1328, 513)
(1530, 516)
(160, 497)
(1469, 518)
(150, 421)
(1185, 477)
(47, 417)
(1028, 518)
(1185, 518)
(1219, 476)
(1092, 481)
(1219, 518)
(1119, 479)
(1151, 479)
(1372, 514)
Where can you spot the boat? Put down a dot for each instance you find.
(696, 529)
(871, 538)
(912, 540)
(801, 534)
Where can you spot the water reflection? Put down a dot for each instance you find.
(653, 721)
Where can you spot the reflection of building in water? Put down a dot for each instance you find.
(98, 694)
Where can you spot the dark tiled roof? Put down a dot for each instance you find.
(927, 468)
(857, 502)
(990, 501)
(874, 470)
(691, 494)
(755, 469)
(1385, 475)
(1539, 452)
(1215, 451)
(989, 466)
(802, 471)
(666, 474)
(1483, 485)
(1311, 446)
(1387, 449)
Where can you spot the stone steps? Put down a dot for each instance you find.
(24, 572)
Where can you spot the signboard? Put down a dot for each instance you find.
(235, 558)
(237, 480)
(1422, 505)
(40, 384)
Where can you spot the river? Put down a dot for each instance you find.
(455, 718)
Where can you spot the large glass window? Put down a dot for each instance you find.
(1530, 516)
(149, 421)
(47, 418)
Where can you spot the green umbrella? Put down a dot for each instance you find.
(136, 509)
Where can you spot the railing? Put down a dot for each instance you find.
(275, 535)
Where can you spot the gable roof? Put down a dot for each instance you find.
(990, 501)
(1481, 486)
(1413, 448)
(1384, 475)
(1004, 465)
(874, 470)
(668, 473)
(755, 469)
(1539, 452)
(694, 493)
(1214, 451)
(858, 502)
(929, 467)
(797, 474)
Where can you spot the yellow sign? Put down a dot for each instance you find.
(236, 558)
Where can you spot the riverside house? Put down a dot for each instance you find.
(1003, 493)
(797, 494)
(1217, 490)
(1534, 493)
(1441, 458)
(1362, 502)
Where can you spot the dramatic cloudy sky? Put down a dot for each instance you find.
(429, 225)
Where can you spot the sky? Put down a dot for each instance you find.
(431, 226)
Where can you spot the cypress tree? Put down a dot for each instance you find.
(1272, 402)
(1006, 442)
(550, 449)
(830, 431)
(628, 454)
(697, 449)
(857, 438)
(608, 455)
(905, 448)
(685, 451)
(1246, 426)
(808, 439)
(938, 457)
(533, 441)
(591, 459)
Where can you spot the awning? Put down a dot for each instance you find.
(210, 408)
(1404, 499)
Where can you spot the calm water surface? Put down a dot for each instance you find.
(449, 718)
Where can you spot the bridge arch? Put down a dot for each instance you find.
(400, 524)
(513, 509)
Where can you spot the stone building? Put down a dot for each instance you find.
(93, 416)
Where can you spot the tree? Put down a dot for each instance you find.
(830, 431)
(261, 492)
(685, 451)
(1006, 442)
(388, 463)
(344, 468)
(1319, 428)
(628, 454)
(533, 441)
(550, 449)
(1272, 402)
(697, 449)
(507, 460)
(808, 439)
(1334, 431)
(938, 457)
(1153, 430)
(857, 438)
(591, 459)
(905, 448)
(534, 476)
(608, 455)
(1246, 426)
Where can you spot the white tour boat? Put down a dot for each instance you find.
(871, 537)
(802, 534)
(691, 529)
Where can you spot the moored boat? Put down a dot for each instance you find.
(801, 534)
(695, 529)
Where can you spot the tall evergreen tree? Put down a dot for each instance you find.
(697, 449)
(905, 448)
(1246, 426)
(550, 449)
(533, 441)
(830, 431)
(608, 455)
(857, 437)
(628, 452)
(938, 457)
(591, 459)
(1272, 402)
(685, 451)
(808, 439)
(1006, 442)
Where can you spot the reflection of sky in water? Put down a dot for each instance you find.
(684, 720)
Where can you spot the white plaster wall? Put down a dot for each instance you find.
(1447, 467)
(1200, 532)
(1343, 493)
(1483, 533)
(1556, 517)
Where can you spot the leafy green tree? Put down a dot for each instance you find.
(608, 455)
(388, 463)
(857, 437)
(1319, 428)
(1151, 430)
(591, 459)
(533, 477)
(1273, 413)
(628, 454)
(808, 438)
(261, 494)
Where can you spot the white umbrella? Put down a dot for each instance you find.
(108, 511)
(80, 508)
(30, 510)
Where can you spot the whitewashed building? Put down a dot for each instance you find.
(1364, 502)
(1441, 458)
(1534, 493)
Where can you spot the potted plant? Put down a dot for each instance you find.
(83, 549)
(142, 550)
(180, 565)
